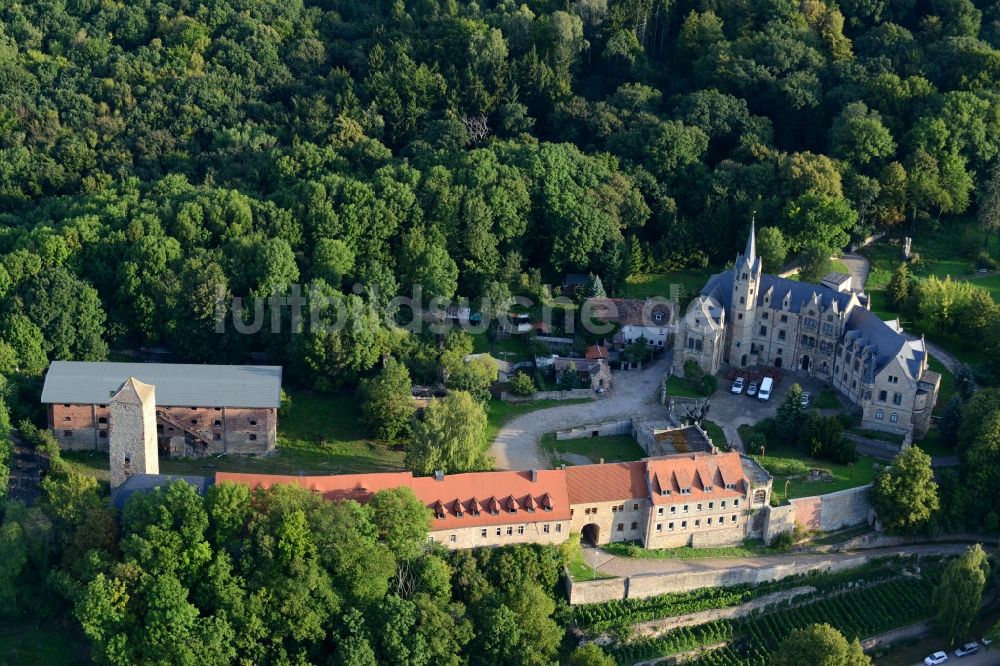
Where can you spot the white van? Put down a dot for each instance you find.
(764, 392)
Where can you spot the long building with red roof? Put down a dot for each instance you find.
(684, 499)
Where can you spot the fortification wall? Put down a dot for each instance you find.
(649, 585)
(834, 510)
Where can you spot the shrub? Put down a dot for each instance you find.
(783, 542)
(757, 443)
(521, 384)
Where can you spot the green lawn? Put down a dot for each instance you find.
(787, 463)
(951, 250)
(690, 281)
(499, 412)
(614, 448)
(750, 548)
(512, 349)
(682, 388)
(715, 431)
(20, 644)
(578, 568)
(827, 399)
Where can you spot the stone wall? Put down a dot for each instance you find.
(777, 520)
(649, 585)
(572, 394)
(601, 429)
(834, 510)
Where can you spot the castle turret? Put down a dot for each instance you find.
(746, 282)
(132, 436)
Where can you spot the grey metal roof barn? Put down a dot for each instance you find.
(177, 384)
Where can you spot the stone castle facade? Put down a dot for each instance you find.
(744, 317)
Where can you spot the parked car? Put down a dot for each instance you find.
(737, 385)
(967, 649)
(806, 399)
(752, 389)
(936, 658)
(764, 392)
(986, 641)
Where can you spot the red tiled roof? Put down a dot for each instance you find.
(595, 352)
(696, 471)
(359, 487)
(606, 483)
(543, 500)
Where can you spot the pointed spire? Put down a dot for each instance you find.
(750, 252)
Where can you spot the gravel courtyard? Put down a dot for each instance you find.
(634, 393)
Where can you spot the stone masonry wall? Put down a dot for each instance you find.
(472, 537)
(602, 429)
(648, 585)
(834, 510)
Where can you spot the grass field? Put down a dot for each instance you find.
(689, 280)
(827, 399)
(614, 448)
(717, 434)
(682, 388)
(778, 457)
(749, 548)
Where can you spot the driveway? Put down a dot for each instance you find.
(731, 411)
(858, 266)
(634, 393)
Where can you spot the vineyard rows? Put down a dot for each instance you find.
(618, 616)
(862, 612)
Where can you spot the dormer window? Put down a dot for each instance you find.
(730, 486)
(708, 489)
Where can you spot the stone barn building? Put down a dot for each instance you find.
(200, 409)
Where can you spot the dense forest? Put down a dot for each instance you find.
(154, 155)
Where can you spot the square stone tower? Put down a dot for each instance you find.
(132, 436)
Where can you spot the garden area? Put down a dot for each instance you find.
(799, 475)
(689, 281)
(612, 448)
(716, 433)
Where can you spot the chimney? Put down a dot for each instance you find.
(438, 475)
(534, 475)
(601, 461)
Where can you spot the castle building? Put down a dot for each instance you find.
(199, 410)
(694, 499)
(744, 317)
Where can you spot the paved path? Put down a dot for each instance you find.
(632, 566)
(634, 393)
(859, 266)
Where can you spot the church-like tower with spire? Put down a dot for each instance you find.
(745, 318)
(746, 283)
